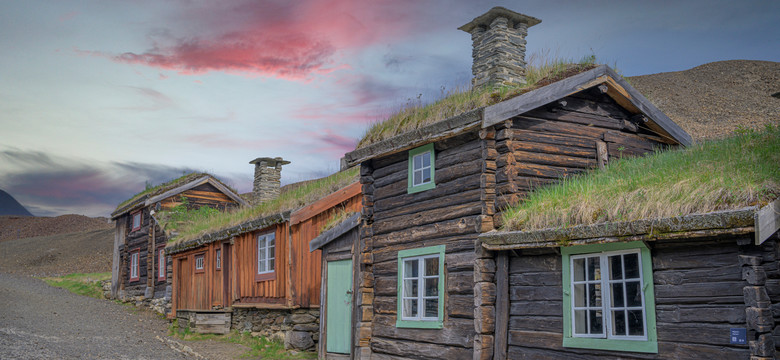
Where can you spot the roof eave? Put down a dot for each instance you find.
(332, 234)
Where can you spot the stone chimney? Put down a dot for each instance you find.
(268, 175)
(498, 38)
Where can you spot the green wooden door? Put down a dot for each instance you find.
(339, 307)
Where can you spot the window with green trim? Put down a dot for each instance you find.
(421, 287)
(422, 169)
(608, 300)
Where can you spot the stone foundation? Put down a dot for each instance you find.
(160, 302)
(299, 329)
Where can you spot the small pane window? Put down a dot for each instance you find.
(136, 221)
(420, 294)
(218, 259)
(199, 262)
(266, 253)
(161, 264)
(421, 169)
(134, 266)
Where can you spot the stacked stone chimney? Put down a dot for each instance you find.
(268, 175)
(498, 38)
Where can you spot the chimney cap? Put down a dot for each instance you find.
(271, 162)
(487, 18)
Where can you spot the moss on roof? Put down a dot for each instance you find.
(456, 102)
(735, 172)
(290, 198)
(168, 185)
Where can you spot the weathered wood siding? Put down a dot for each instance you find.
(135, 240)
(202, 195)
(561, 139)
(698, 295)
(448, 215)
(307, 266)
(246, 289)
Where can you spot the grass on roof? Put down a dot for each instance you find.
(166, 185)
(459, 101)
(735, 172)
(296, 197)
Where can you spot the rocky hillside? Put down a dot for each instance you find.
(714, 99)
(17, 227)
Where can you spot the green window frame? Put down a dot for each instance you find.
(418, 165)
(611, 302)
(419, 290)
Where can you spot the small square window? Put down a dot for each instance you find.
(136, 221)
(422, 169)
(200, 263)
(421, 287)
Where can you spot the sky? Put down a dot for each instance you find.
(100, 98)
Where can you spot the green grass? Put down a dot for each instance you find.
(735, 172)
(539, 72)
(294, 198)
(153, 190)
(259, 347)
(81, 284)
(337, 218)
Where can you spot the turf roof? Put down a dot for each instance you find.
(732, 173)
(292, 197)
(161, 188)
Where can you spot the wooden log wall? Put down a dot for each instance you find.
(698, 294)
(135, 240)
(450, 214)
(202, 195)
(561, 139)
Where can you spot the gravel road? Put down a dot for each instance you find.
(42, 322)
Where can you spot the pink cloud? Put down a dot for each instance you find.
(272, 39)
(334, 145)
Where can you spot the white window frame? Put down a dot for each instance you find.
(263, 241)
(200, 262)
(606, 287)
(161, 263)
(421, 277)
(420, 320)
(422, 168)
(218, 259)
(134, 266)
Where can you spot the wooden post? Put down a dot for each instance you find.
(502, 305)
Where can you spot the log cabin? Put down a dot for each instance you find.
(256, 272)
(692, 286)
(425, 287)
(140, 269)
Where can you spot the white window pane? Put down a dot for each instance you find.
(617, 295)
(410, 288)
(635, 320)
(426, 175)
(261, 254)
(594, 295)
(432, 266)
(432, 287)
(593, 270)
(431, 308)
(410, 269)
(417, 178)
(261, 265)
(633, 294)
(271, 240)
(270, 264)
(619, 323)
(417, 162)
(410, 308)
(579, 269)
(580, 322)
(579, 295)
(615, 267)
(596, 322)
(631, 262)
(271, 252)
(426, 159)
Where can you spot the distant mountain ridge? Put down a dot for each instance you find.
(9, 205)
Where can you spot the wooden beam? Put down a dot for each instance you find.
(502, 306)
(325, 203)
(767, 221)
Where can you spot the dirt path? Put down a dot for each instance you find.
(42, 322)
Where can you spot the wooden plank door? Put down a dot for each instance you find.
(339, 306)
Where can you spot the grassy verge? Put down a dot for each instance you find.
(731, 173)
(258, 346)
(81, 284)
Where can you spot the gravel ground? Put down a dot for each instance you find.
(42, 322)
